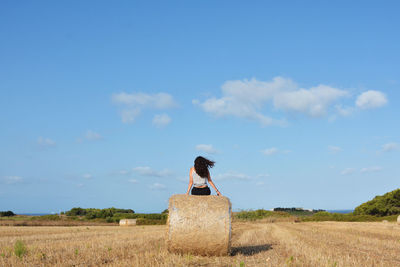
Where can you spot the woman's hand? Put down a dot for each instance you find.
(219, 193)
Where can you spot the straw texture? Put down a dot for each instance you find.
(398, 220)
(199, 225)
(127, 222)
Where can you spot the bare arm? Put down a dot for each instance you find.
(190, 181)
(213, 185)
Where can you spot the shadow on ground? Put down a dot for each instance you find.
(250, 250)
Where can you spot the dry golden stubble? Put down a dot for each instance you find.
(253, 244)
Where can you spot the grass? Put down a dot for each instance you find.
(349, 217)
(254, 243)
(20, 249)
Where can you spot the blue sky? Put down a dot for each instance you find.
(107, 104)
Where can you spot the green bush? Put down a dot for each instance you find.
(20, 249)
(144, 221)
(113, 215)
(52, 217)
(98, 213)
(349, 217)
(6, 213)
(388, 204)
(259, 214)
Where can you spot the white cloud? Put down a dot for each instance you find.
(45, 142)
(247, 99)
(344, 111)
(348, 171)
(133, 181)
(334, 149)
(87, 176)
(161, 120)
(159, 100)
(371, 169)
(390, 147)
(313, 102)
(147, 171)
(157, 186)
(231, 176)
(12, 179)
(206, 148)
(270, 151)
(129, 115)
(132, 104)
(371, 99)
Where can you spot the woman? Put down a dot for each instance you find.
(199, 175)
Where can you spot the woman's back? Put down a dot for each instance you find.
(198, 180)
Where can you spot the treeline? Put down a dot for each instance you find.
(298, 211)
(252, 215)
(97, 213)
(114, 215)
(8, 213)
(386, 205)
(348, 217)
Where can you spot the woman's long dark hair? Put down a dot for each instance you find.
(201, 166)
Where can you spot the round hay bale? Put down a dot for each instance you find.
(200, 225)
(398, 220)
(127, 222)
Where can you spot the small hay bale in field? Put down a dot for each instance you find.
(199, 225)
(385, 221)
(127, 222)
(398, 220)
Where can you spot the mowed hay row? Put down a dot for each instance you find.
(200, 225)
(253, 244)
(85, 246)
(127, 222)
(331, 244)
(128, 246)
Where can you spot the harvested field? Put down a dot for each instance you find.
(253, 244)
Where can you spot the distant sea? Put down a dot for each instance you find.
(340, 211)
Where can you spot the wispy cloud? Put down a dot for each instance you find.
(45, 142)
(157, 186)
(270, 151)
(161, 120)
(334, 149)
(371, 169)
(348, 171)
(390, 147)
(90, 135)
(132, 104)
(87, 176)
(344, 110)
(147, 171)
(123, 172)
(11, 179)
(231, 176)
(133, 181)
(206, 148)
